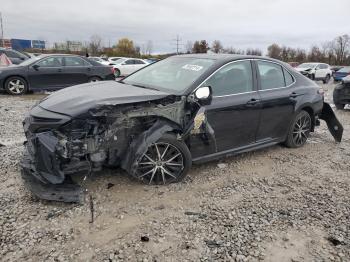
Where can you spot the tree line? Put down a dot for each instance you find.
(335, 52)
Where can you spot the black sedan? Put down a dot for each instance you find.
(52, 72)
(341, 93)
(158, 121)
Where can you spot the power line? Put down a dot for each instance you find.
(177, 43)
(2, 30)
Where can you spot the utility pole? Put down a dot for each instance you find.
(2, 30)
(177, 43)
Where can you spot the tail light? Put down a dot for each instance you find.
(321, 91)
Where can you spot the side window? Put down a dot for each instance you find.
(271, 75)
(323, 66)
(139, 62)
(74, 61)
(12, 54)
(129, 62)
(54, 61)
(233, 78)
(288, 77)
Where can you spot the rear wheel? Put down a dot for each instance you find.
(94, 79)
(116, 72)
(339, 106)
(166, 161)
(299, 130)
(16, 85)
(326, 80)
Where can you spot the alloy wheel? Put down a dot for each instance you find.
(16, 86)
(162, 163)
(301, 130)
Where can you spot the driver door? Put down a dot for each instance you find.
(234, 111)
(47, 73)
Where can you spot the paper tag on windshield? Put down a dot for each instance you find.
(193, 67)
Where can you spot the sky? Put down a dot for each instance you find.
(238, 23)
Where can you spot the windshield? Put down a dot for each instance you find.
(307, 65)
(344, 70)
(174, 73)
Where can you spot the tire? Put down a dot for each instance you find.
(16, 85)
(166, 161)
(94, 79)
(299, 130)
(326, 80)
(117, 73)
(339, 106)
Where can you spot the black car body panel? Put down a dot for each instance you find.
(55, 77)
(82, 128)
(341, 93)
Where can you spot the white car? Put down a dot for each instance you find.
(115, 58)
(127, 66)
(316, 71)
(99, 60)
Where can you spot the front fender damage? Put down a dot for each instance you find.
(117, 137)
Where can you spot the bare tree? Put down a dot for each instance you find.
(232, 50)
(217, 47)
(253, 51)
(149, 47)
(274, 51)
(341, 46)
(189, 47)
(95, 44)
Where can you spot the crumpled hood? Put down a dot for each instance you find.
(79, 99)
(300, 69)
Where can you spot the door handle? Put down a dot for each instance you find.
(89, 69)
(253, 102)
(59, 70)
(294, 95)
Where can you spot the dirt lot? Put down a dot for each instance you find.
(275, 204)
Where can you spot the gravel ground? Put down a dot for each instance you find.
(276, 204)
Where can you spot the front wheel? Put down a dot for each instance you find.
(299, 130)
(166, 161)
(339, 106)
(94, 79)
(326, 80)
(16, 85)
(117, 73)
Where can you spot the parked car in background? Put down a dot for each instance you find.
(152, 60)
(114, 58)
(316, 71)
(99, 60)
(127, 66)
(335, 69)
(293, 64)
(52, 72)
(341, 73)
(341, 93)
(158, 121)
(15, 56)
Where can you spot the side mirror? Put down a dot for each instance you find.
(36, 67)
(203, 95)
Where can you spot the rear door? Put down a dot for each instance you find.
(76, 70)
(47, 73)
(277, 100)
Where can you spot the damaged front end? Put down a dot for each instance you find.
(109, 135)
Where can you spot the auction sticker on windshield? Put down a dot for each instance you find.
(193, 67)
